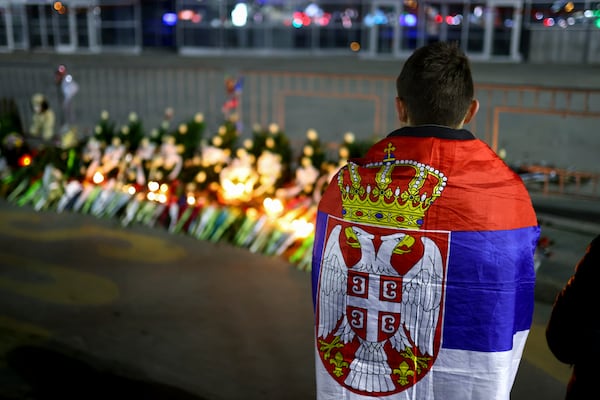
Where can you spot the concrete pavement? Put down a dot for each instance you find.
(91, 310)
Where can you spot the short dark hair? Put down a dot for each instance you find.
(436, 85)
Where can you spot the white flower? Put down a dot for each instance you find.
(222, 130)
(217, 141)
(133, 117)
(98, 129)
(183, 129)
(308, 151)
(104, 115)
(199, 118)
(125, 130)
(248, 143)
(270, 143)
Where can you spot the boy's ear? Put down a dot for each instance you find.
(472, 111)
(401, 110)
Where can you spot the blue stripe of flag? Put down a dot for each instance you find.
(489, 288)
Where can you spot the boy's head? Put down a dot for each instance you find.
(435, 86)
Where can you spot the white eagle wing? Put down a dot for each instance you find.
(421, 297)
(332, 285)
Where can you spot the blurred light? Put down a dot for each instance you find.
(549, 22)
(346, 21)
(569, 6)
(169, 19)
(324, 19)
(98, 178)
(239, 15)
(153, 186)
(408, 20)
(24, 160)
(313, 10)
(539, 15)
(379, 18)
(598, 23)
(478, 11)
(300, 19)
(59, 7)
(273, 207)
(439, 19)
(355, 46)
(186, 15)
(302, 228)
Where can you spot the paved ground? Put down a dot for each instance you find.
(90, 310)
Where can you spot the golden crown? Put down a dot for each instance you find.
(380, 203)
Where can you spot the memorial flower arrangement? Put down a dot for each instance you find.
(253, 193)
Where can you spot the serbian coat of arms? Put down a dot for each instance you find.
(380, 305)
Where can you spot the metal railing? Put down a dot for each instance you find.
(534, 126)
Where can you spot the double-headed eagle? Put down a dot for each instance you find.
(409, 321)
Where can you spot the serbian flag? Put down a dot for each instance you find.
(423, 273)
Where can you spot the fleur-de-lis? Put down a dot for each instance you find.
(403, 371)
(339, 363)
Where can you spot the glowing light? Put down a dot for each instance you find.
(379, 18)
(169, 19)
(234, 191)
(24, 160)
(569, 6)
(151, 196)
(239, 14)
(300, 19)
(355, 46)
(153, 186)
(302, 228)
(190, 200)
(161, 198)
(98, 178)
(164, 188)
(273, 207)
(408, 20)
(549, 22)
(131, 190)
(438, 19)
(186, 15)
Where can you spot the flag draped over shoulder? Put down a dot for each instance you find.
(423, 277)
